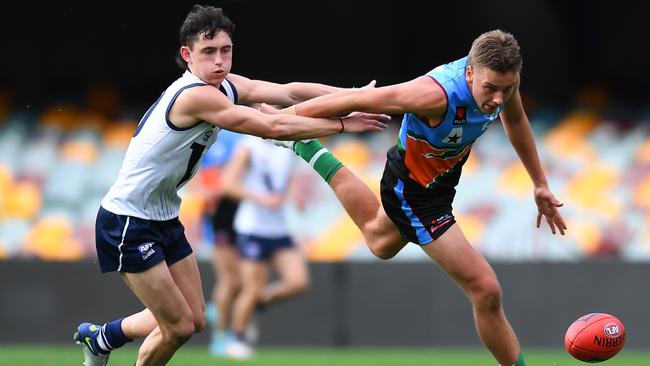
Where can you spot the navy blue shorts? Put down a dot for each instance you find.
(257, 248)
(131, 244)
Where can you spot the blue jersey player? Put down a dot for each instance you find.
(445, 111)
(138, 232)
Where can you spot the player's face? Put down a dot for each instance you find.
(490, 88)
(210, 59)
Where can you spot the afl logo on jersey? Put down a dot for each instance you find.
(461, 115)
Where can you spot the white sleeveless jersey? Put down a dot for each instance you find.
(269, 170)
(161, 158)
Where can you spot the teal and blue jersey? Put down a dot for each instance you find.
(434, 156)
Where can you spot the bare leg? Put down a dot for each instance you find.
(382, 236)
(188, 279)
(174, 327)
(452, 252)
(174, 298)
(469, 269)
(225, 262)
(361, 204)
(254, 278)
(139, 325)
(294, 276)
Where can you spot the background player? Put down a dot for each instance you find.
(259, 176)
(220, 215)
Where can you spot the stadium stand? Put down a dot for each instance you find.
(55, 167)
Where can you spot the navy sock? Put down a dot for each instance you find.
(112, 336)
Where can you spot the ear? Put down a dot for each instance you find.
(469, 73)
(185, 53)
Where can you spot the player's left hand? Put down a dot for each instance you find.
(547, 206)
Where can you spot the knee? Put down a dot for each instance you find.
(234, 282)
(226, 291)
(487, 296)
(230, 293)
(380, 250)
(299, 285)
(200, 322)
(181, 332)
(231, 286)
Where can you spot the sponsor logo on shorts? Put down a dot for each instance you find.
(146, 250)
(253, 249)
(440, 222)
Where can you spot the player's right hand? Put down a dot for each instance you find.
(365, 122)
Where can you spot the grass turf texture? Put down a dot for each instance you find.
(196, 355)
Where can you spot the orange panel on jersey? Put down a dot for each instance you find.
(426, 163)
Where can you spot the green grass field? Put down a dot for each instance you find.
(199, 356)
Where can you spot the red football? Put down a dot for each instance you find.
(595, 337)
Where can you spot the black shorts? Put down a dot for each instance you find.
(223, 220)
(421, 214)
(131, 244)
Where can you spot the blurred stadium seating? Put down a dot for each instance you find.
(56, 165)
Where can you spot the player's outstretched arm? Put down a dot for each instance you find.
(348, 123)
(421, 95)
(259, 91)
(206, 103)
(517, 128)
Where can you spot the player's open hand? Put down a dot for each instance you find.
(365, 122)
(547, 206)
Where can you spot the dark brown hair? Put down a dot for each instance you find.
(202, 19)
(496, 50)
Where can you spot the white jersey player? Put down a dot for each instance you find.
(163, 156)
(266, 174)
(137, 229)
